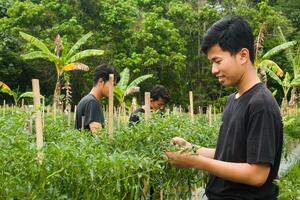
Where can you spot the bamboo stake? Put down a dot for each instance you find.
(147, 106)
(38, 118)
(215, 114)
(161, 195)
(191, 106)
(74, 117)
(43, 111)
(82, 122)
(209, 115)
(54, 111)
(180, 109)
(22, 104)
(69, 116)
(111, 105)
(200, 110)
(119, 117)
(4, 106)
(133, 104)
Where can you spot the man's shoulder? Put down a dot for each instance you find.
(139, 110)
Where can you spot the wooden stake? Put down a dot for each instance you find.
(74, 117)
(82, 122)
(54, 112)
(4, 106)
(180, 109)
(161, 195)
(38, 118)
(22, 104)
(133, 104)
(191, 106)
(209, 115)
(200, 110)
(215, 114)
(69, 116)
(111, 105)
(43, 111)
(147, 106)
(119, 117)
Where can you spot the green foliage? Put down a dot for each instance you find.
(290, 184)
(77, 165)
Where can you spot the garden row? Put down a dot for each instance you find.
(77, 165)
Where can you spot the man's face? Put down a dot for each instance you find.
(228, 68)
(104, 87)
(157, 104)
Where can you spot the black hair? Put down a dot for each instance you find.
(231, 34)
(103, 71)
(160, 91)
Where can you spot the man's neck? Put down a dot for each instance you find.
(248, 80)
(96, 93)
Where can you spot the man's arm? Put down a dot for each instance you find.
(245, 173)
(203, 151)
(94, 126)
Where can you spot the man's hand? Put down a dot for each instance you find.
(182, 142)
(181, 160)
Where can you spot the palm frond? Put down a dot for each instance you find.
(273, 76)
(278, 49)
(76, 66)
(77, 45)
(40, 54)
(272, 66)
(124, 79)
(137, 81)
(84, 54)
(34, 41)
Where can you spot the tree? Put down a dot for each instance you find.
(263, 61)
(294, 60)
(67, 61)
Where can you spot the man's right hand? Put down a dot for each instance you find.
(182, 142)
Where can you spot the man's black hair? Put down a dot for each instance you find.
(103, 71)
(160, 91)
(231, 34)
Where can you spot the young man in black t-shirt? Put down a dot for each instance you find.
(159, 96)
(89, 106)
(246, 160)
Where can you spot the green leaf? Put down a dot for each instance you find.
(124, 79)
(273, 76)
(137, 81)
(286, 81)
(36, 42)
(289, 53)
(295, 82)
(40, 54)
(77, 45)
(272, 66)
(84, 54)
(278, 49)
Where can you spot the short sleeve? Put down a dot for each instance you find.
(263, 134)
(93, 113)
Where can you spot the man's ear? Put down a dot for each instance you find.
(100, 82)
(244, 55)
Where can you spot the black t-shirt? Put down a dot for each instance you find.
(88, 107)
(251, 132)
(134, 117)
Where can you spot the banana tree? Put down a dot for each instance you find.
(124, 88)
(263, 61)
(294, 60)
(64, 60)
(16, 96)
(287, 83)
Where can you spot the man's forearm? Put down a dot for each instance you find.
(206, 152)
(250, 174)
